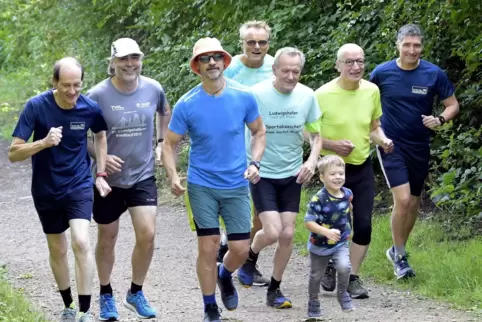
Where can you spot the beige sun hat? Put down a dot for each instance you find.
(208, 45)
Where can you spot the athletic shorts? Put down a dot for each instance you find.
(109, 209)
(405, 165)
(54, 215)
(281, 195)
(232, 205)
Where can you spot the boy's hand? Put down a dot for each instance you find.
(332, 234)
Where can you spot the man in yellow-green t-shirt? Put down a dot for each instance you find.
(351, 111)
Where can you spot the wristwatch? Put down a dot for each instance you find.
(441, 119)
(256, 164)
(160, 141)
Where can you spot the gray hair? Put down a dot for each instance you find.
(410, 30)
(257, 24)
(290, 51)
(110, 68)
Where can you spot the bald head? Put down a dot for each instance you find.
(65, 64)
(348, 49)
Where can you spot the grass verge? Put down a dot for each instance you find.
(14, 307)
(447, 270)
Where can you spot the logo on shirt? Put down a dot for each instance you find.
(78, 126)
(117, 108)
(419, 90)
(143, 105)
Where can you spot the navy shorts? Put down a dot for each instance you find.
(109, 209)
(405, 165)
(281, 195)
(55, 214)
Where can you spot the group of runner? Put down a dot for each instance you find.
(247, 121)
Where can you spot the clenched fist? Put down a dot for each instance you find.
(54, 137)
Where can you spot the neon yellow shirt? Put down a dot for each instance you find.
(348, 115)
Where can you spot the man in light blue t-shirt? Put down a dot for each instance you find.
(215, 113)
(286, 106)
(253, 66)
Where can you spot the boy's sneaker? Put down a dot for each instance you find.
(108, 309)
(229, 294)
(212, 313)
(259, 279)
(86, 317)
(356, 289)
(390, 253)
(138, 304)
(246, 274)
(277, 300)
(402, 269)
(344, 300)
(68, 314)
(314, 310)
(328, 281)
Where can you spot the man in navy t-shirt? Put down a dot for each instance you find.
(408, 87)
(215, 114)
(61, 180)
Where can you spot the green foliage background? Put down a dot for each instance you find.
(33, 34)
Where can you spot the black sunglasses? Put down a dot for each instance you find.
(207, 58)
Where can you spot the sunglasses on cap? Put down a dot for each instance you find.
(207, 58)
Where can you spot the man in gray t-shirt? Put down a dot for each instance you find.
(129, 103)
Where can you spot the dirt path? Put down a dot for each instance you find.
(171, 284)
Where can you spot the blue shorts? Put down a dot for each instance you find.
(55, 214)
(233, 205)
(405, 165)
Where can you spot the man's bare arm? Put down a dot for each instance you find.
(162, 122)
(452, 108)
(100, 147)
(316, 144)
(258, 138)
(90, 145)
(168, 153)
(21, 150)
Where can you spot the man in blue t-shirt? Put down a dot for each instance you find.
(215, 114)
(61, 180)
(408, 87)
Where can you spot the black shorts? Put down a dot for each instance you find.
(109, 209)
(55, 214)
(405, 165)
(281, 195)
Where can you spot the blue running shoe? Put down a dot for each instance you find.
(138, 304)
(246, 274)
(314, 311)
(402, 269)
(277, 300)
(108, 310)
(229, 294)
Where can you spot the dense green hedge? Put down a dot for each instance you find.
(36, 33)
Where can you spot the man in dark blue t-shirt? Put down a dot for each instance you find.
(61, 180)
(408, 87)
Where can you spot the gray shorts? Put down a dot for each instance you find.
(233, 205)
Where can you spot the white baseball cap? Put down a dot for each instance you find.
(125, 46)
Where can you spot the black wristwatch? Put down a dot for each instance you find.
(256, 164)
(441, 119)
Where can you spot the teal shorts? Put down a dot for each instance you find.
(232, 205)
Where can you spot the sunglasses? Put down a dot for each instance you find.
(207, 58)
(261, 43)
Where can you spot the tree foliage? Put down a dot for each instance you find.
(35, 33)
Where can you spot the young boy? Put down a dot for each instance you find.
(327, 218)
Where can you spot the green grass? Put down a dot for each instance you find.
(14, 307)
(449, 271)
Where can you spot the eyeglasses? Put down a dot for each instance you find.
(207, 58)
(349, 62)
(261, 43)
